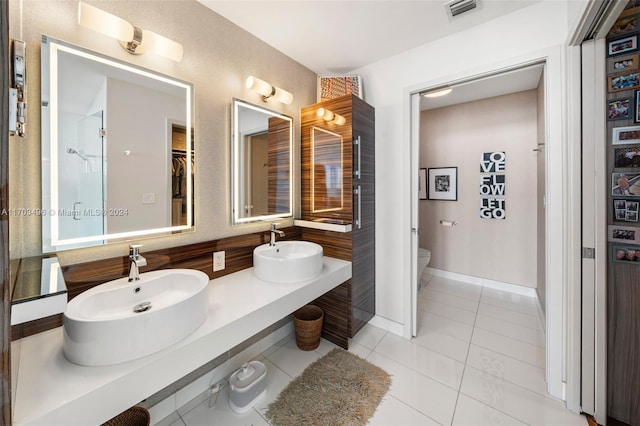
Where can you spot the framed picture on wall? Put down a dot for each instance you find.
(625, 135)
(422, 184)
(625, 210)
(442, 183)
(620, 82)
(625, 184)
(620, 109)
(624, 25)
(626, 254)
(627, 157)
(624, 234)
(622, 45)
(622, 63)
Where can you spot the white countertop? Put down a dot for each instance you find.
(50, 390)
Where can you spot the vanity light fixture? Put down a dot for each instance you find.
(133, 39)
(266, 90)
(437, 92)
(331, 117)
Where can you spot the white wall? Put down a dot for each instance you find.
(218, 57)
(516, 38)
(456, 136)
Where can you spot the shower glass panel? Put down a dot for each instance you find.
(82, 172)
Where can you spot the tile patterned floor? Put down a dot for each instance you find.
(478, 360)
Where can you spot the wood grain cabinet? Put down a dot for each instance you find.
(338, 186)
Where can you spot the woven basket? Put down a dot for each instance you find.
(308, 324)
(134, 416)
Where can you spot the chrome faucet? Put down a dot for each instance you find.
(136, 262)
(275, 231)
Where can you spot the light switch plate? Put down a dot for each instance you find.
(148, 198)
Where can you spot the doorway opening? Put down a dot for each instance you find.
(493, 250)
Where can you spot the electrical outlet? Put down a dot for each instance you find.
(218, 261)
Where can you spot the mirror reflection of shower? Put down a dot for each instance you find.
(85, 157)
(82, 172)
(80, 153)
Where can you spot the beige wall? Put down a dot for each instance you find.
(218, 56)
(501, 250)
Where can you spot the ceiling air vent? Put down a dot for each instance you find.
(456, 7)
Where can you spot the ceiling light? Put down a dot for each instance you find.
(133, 39)
(437, 92)
(266, 90)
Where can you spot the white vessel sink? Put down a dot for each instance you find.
(287, 261)
(119, 321)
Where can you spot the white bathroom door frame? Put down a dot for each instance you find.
(556, 172)
(415, 201)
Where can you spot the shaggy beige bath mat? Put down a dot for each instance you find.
(338, 389)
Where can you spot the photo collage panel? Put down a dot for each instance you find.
(625, 210)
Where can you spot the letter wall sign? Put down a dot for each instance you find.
(492, 185)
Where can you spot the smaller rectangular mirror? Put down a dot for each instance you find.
(326, 171)
(262, 187)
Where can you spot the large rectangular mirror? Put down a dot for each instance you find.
(262, 164)
(326, 171)
(117, 152)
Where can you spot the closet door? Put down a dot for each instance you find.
(594, 309)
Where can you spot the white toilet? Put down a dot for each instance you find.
(424, 256)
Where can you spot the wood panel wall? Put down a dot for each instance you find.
(623, 361)
(5, 284)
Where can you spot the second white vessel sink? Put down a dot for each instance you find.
(119, 320)
(287, 261)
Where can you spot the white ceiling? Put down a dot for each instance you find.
(333, 37)
(496, 85)
(337, 37)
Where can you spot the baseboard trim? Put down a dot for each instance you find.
(498, 285)
(388, 325)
